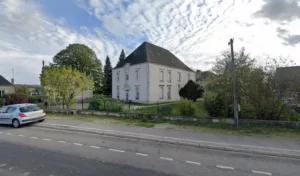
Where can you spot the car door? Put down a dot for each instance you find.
(9, 115)
(3, 115)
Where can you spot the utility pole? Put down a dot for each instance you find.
(235, 104)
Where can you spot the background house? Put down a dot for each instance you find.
(150, 74)
(289, 79)
(201, 77)
(6, 86)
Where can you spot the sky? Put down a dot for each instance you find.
(196, 31)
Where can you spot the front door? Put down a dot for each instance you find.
(127, 96)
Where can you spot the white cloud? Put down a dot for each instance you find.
(27, 37)
(196, 31)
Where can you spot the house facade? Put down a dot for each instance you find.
(150, 74)
(6, 87)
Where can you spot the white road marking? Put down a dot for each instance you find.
(33, 137)
(2, 165)
(260, 172)
(26, 174)
(93, 146)
(165, 137)
(164, 158)
(141, 154)
(192, 162)
(1, 132)
(78, 144)
(115, 150)
(47, 139)
(11, 168)
(62, 142)
(21, 135)
(225, 167)
(9, 134)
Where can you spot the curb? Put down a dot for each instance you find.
(294, 154)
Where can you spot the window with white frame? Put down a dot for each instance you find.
(127, 77)
(179, 76)
(179, 87)
(169, 76)
(137, 92)
(118, 76)
(2, 92)
(118, 92)
(161, 75)
(161, 88)
(169, 92)
(137, 75)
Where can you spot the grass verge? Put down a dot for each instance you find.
(219, 128)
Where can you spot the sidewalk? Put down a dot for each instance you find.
(207, 140)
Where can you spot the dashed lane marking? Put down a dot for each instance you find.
(26, 174)
(225, 167)
(62, 142)
(11, 168)
(115, 150)
(2, 165)
(96, 147)
(21, 135)
(164, 158)
(78, 144)
(141, 154)
(192, 162)
(261, 172)
(33, 137)
(47, 139)
(9, 134)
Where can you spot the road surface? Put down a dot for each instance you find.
(34, 151)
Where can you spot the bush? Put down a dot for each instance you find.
(112, 106)
(214, 104)
(191, 91)
(165, 110)
(247, 112)
(35, 99)
(95, 102)
(186, 108)
(15, 98)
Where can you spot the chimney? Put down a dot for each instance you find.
(12, 81)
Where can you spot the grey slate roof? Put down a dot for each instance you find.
(148, 52)
(4, 82)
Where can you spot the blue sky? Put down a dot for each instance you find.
(196, 31)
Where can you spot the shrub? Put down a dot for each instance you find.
(95, 103)
(191, 91)
(214, 104)
(112, 106)
(165, 110)
(15, 98)
(186, 107)
(35, 99)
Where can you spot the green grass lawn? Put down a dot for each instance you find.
(199, 106)
(219, 128)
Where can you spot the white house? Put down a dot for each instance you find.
(150, 74)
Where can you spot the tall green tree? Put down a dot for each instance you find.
(108, 76)
(121, 58)
(83, 59)
(63, 84)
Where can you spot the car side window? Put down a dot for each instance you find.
(3, 109)
(11, 109)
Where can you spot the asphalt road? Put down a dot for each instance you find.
(30, 151)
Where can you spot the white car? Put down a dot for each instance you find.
(19, 114)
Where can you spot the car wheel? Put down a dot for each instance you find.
(16, 123)
(41, 120)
